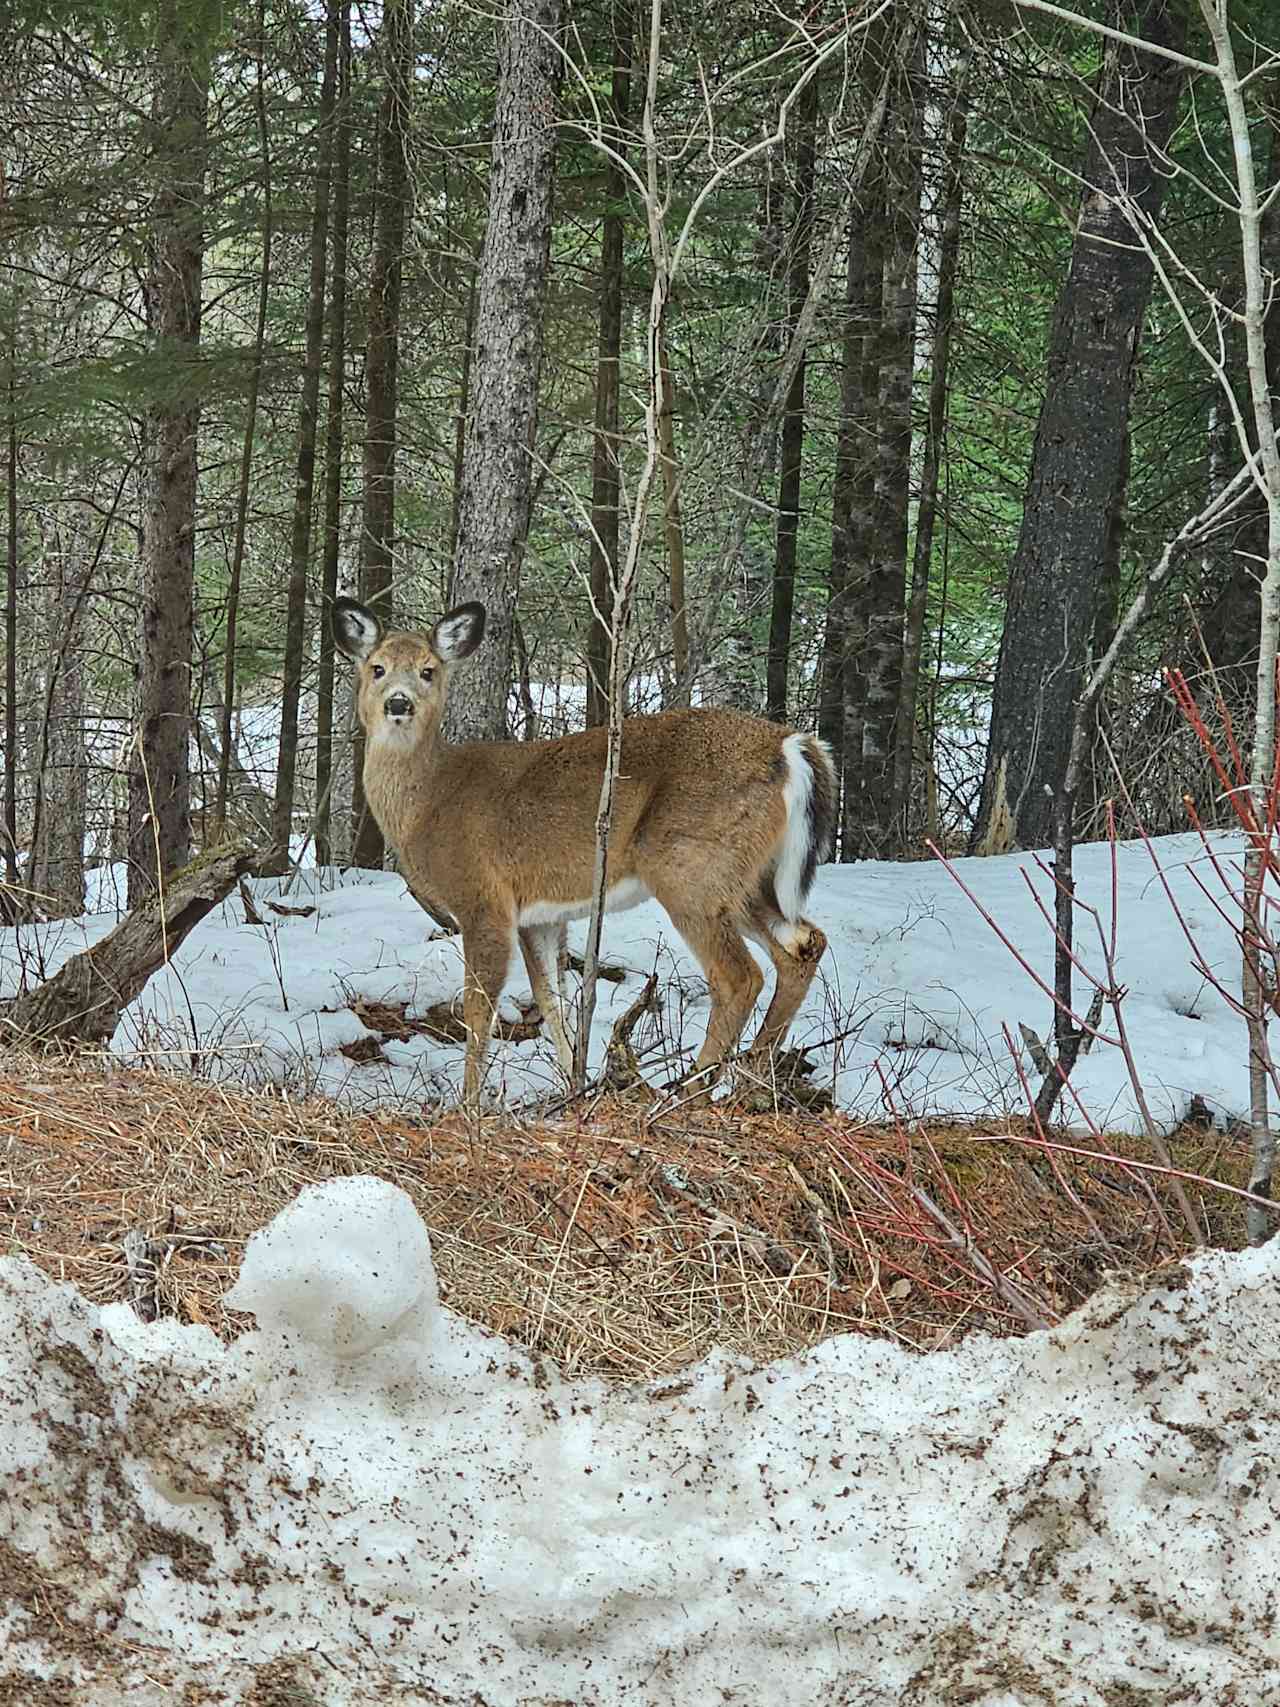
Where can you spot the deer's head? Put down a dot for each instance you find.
(402, 679)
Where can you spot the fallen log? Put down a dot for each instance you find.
(83, 1001)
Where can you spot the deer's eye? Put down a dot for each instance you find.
(377, 671)
(427, 674)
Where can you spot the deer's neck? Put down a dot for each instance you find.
(399, 781)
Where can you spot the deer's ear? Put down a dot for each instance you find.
(458, 632)
(356, 630)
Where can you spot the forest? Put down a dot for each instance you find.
(857, 366)
(902, 372)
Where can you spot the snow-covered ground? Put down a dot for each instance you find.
(909, 1013)
(375, 1501)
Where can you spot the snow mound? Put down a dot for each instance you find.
(345, 1268)
(1087, 1516)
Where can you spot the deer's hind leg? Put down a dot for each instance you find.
(795, 949)
(543, 949)
(734, 979)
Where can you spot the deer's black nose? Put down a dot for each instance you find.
(398, 705)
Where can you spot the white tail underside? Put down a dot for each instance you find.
(797, 792)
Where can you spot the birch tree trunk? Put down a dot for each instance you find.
(1257, 936)
(494, 509)
(159, 776)
(948, 255)
(1230, 625)
(277, 860)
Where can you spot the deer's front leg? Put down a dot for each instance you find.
(486, 947)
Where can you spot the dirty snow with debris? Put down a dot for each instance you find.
(368, 1499)
(915, 1011)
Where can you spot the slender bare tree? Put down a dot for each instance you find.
(791, 447)
(604, 465)
(382, 364)
(305, 466)
(337, 336)
(240, 538)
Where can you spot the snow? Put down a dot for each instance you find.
(346, 1267)
(913, 1013)
(404, 1507)
(392, 1504)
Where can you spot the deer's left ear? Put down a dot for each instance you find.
(458, 632)
(356, 630)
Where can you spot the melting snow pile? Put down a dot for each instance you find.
(368, 1495)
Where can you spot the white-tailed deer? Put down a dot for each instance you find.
(721, 817)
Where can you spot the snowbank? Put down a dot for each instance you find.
(366, 1494)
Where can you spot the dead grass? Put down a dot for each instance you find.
(612, 1241)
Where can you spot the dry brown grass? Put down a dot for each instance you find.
(610, 1240)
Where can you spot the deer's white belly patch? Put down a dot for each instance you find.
(621, 896)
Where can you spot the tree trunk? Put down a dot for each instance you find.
(744, 568)
(853, 499)
(252, 807)
(605, 478)
(226, 743)
(1229, 623)
(460, 420)
(57, 855)
(734, 572)
(879, 831)
(524, 684)
(304, 481)
(333, 438)
(835, 623)
(1106, 608)
(159, 777)
(382, 360)
(11, 639)
(494, 512)
(1092, 356)
(673, 527)
(948, 252)
(792, 445)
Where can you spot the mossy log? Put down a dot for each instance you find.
(82, 1002)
